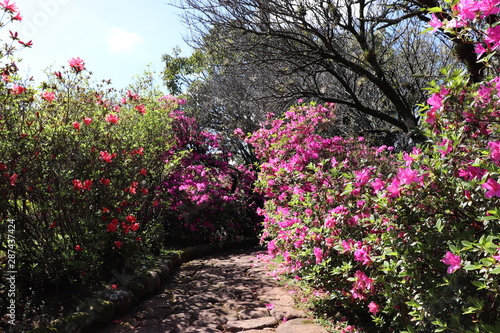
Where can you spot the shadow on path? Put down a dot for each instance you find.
(227, 292)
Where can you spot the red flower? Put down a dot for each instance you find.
(17, 89)
(18, 17)
(9, 7)
(78, 248)
(141, 108)
(139, 151)
(77, 64)
(105, 210)
(87, 120)
(87, 185)
(131, 219)
(106, 157)
(13, 179)
(77, 184)
(112, 118)
(105, 181)
(143, 171)
(26, 44)
(118, 244)
(114, 286)
(145, 191)
(76, 125)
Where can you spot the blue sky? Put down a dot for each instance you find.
(117, 39)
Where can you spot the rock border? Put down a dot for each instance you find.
(107, 304)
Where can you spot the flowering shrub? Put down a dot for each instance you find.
(407, 241)
(210, 198)
(400, 242)
(95, 179)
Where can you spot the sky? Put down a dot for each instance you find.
(117, 39)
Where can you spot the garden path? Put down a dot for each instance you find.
(228, 292)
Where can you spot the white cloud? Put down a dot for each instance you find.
(120, 40)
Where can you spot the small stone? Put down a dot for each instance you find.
(286, 312)
(249, 324)
(254, 313)
(300, 325)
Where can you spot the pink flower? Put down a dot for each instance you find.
(373, 308)
(318, 253)
(493, 36)
(87, 120)
(497, 257)
(435, 22)
(471, 173)
(409, 176)
(48, 96)
(17, 89)
(494, 150)
(394, 189)
(488, 7)
(447, 147)
(77, 64)
(9, 7)
(493, 188)
(453, 261)
(112, 118)
(239, 132)
(362, 256)
(436, 101)
(270, 306)
(467, 9)
(347, 245)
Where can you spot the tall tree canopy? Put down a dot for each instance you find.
(367, 56)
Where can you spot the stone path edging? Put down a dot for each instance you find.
(109, 303)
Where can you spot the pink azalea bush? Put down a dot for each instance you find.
(400, 242)
(409, 232)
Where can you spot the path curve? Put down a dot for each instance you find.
(227, 292)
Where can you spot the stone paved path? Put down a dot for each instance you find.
(229, 292)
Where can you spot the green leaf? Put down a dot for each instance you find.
(472, 267)
(495, 271)
(479, 285)
(435, 10)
